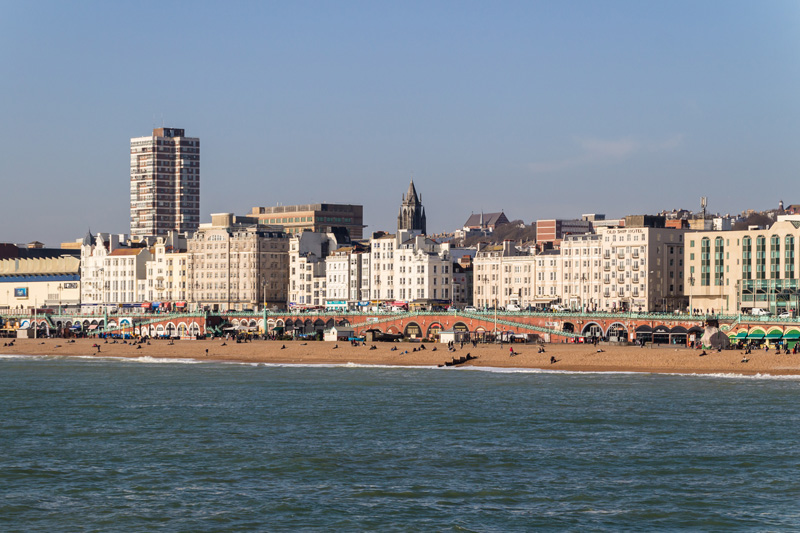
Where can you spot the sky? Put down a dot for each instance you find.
(540, 109)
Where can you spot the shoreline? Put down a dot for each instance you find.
(569, 357)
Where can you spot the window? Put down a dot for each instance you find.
(705, 262)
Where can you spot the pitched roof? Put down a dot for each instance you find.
(127, 251)
(489, 219)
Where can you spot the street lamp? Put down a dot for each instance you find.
(691, 293)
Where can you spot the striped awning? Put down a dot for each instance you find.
(792, 335)
(774, 335)
(756, 335)
(741, 335)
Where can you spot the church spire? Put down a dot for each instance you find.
(412, 213)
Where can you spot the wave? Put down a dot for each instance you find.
(146, 359)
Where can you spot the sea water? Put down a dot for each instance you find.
(119, 445)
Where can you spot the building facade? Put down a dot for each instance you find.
(307, 264)
(640, 269)
(237, 263)
(165, 183)
(347, 272)
(738, 271)
(36, 283)
(168, 273)
(319, 218)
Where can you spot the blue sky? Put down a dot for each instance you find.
(542, 109)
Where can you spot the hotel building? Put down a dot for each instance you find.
(237, 263)
(737, 271)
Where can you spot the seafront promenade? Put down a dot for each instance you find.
(617, 328)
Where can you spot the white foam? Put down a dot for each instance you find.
(15, 357)
(146, 359)
(160, 360)
(732, 375)
(343, 365)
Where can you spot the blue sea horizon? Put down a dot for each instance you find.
(91, 444)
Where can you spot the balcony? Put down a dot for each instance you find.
(621, 267)
(635, 266)
(606, 281)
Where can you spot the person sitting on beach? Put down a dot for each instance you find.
(552, 359)
(541, 349)
(422, 347)
(394, 349)
(601, 351)
(373, 347)
(414, 350)
(745, 359)
(139, 347)
(703, 353)
(224, 344)
(335, 346)
(433, 349)
(283, 347)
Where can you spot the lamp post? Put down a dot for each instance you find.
(691, 293)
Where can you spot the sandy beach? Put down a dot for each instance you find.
(569, 357)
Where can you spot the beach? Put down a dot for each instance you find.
(569, 357)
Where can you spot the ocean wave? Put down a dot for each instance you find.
(733, 375)
(15, 357)
(344, 365)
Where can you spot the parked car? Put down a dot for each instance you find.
(757, 311)
(786, 314)
(470, 309)
(513, 307)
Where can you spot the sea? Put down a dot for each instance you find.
(91, 444)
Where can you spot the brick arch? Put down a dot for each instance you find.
(412, 328)
(434, 329)
(592, 328)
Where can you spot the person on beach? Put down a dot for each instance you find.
(552, 359)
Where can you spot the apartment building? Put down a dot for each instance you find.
(94, 251)
(615, 269)
(165, 183)
(347, 272)
(307, 279)
(168, 273)
(424, 270)
(582, 272)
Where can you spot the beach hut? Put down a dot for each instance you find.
(338, 333)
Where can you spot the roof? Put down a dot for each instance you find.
(127, 251)
(489, 219)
